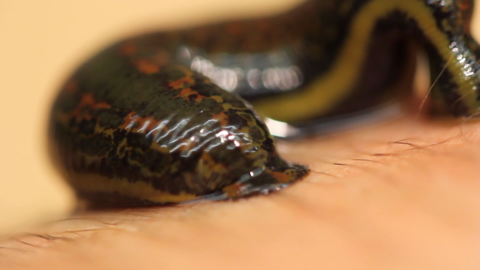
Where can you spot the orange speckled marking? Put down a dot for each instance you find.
(218, 99)
(128, 48)
(129, 120)
(146, 66)
(233, 190)
(186, 92)
(182, 83)
(282, 177)
(222, 118)
(209, 166)
(87, 100)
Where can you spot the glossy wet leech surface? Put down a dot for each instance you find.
(388, 193)
(158, 119)
(135, 142)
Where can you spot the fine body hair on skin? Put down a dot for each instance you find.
(398, 195)
(398, 189)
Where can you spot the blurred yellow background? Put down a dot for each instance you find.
(41, 42)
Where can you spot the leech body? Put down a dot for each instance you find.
(157, 119)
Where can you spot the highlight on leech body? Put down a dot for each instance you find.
(166, 117)
(331, 59)
(160, 138)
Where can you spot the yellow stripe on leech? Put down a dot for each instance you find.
(92, 183)
(325, 92)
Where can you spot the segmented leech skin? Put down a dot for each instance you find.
(158, 119)
(160, 137)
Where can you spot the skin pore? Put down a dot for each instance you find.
(397, 195)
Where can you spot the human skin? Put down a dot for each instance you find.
(398, 195)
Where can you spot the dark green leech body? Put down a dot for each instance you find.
(332, 57)
(141, 123)
(128, 134)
